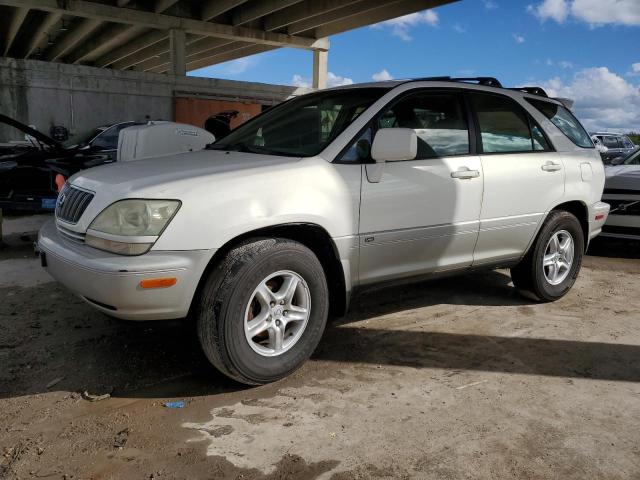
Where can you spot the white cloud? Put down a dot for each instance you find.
(549, 62)
(557, 10)
(299, 81)
(593, 12)
(490, 4)
(333, 80)
(603, 100)
(565, 64)
(382, 76)
(518, 38)
(400, 26)
(635, 67)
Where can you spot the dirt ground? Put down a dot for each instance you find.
(449, 379)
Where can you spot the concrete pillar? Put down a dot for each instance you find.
(320, 67)
(177, 52)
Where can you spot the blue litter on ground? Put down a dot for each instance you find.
(176, 404)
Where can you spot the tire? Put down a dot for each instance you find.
(231, 299)
(542, 283)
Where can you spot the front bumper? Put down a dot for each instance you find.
(111, 283)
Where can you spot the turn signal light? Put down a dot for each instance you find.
(599, 216)
(159, 282)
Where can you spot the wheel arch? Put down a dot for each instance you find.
(580, 210)
(311, 235)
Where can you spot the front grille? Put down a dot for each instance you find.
(72, 203)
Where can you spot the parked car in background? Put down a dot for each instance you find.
(33, 171)
(103, 139)
(263, 234)
(622, 192)
(617, 145)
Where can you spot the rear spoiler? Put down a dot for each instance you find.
(567, 102)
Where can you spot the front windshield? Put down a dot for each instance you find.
(303, 126)
(82, 137)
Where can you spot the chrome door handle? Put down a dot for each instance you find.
(464, 173)
(551, 167)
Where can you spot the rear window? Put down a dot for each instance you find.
(564, 120)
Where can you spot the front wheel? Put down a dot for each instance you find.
(263, 310)
(551, 267)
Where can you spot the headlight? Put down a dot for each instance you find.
(131, 227)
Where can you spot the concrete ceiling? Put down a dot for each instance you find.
(135, 34)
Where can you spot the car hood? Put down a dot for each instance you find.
(174, 175)
(30, 131)
(625, 177)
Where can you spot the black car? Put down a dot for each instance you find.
(33, 171)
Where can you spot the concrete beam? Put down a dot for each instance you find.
(256, 10)
(353, 9)
(87, 9)
(86, 27)
(162, 5)
(198, 48)
(105, 41)
(163, 63)
(143, 41)
(47, 24)
(228, 56)
(304, 11)
(320, 69)
(385, 12)
(213, 8)
(177, 46)
(19, 14)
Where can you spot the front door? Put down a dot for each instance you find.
(422, 215)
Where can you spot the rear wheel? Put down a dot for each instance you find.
(551, 267)
(263, 310)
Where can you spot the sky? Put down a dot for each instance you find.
(586, 50)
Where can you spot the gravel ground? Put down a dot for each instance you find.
(455, 378)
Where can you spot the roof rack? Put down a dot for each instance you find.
(486, 81)
(532, 90)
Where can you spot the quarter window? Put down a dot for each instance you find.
(438, 120)
(505, 127)
(565, 121)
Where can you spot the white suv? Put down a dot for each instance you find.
(273, 227)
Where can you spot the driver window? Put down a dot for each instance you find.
(438, 120)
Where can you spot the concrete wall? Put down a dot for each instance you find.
(79, 97)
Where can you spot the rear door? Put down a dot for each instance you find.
(523, 177)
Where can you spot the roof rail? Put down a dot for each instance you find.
(486, 81)
(532, 90)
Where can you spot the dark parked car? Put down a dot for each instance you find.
(33, 171)
(618, 146)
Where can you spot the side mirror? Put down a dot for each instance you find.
(394, 145)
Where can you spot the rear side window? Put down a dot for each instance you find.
(505, 127)
(564, 120)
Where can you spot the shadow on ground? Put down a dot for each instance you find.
(49, 340)
(614, 248)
